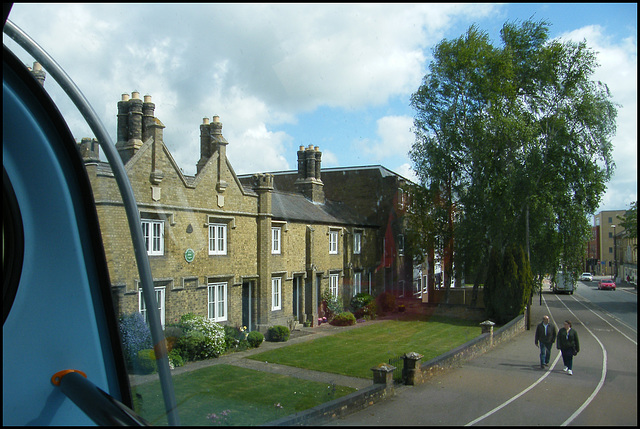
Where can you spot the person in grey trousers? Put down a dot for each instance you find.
(545, 337)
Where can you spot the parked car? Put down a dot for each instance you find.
(586, 277)
(606, 284)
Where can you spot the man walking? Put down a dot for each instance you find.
(545, 336)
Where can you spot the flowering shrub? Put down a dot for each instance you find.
(135, 336)
(213, 343)
(175, 359)
(332, 303)
(235, 338)
(363, 305)
(369, 311)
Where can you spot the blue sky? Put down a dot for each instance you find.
(337, 76)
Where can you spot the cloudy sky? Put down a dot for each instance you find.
(337, 76)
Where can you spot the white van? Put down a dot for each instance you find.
(564, 283)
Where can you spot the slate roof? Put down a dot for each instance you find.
(295, 207)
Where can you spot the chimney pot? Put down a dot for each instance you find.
(216, 118)
(205, 121)
(147, 99)
(125, 97)
(135, 95)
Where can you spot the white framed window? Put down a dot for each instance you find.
(276, 293)
(357, 283)
(357, 243)
(142, 308)
(334, 280)
(276, 240)
(333, 241)
(217, 239)
(153, 232)
(217, 301)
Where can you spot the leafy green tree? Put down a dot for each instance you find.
(494, 286)
(630, 222)
(514, 141)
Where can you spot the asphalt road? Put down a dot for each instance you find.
(506, 386)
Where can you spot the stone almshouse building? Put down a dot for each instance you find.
(257, 250)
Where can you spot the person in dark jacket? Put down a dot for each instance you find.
(545, 336)
(569, 345)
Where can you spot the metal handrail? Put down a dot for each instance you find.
(130, 206)
(101, 407)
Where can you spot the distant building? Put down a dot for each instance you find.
(253, 250)
(610, 249)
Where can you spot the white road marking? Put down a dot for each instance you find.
(604, 366)
(589, 399)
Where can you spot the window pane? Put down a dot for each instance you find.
(145, 232)
(156, 236)
(211, 303)
(221, 302)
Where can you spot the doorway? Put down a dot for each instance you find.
(247, 304)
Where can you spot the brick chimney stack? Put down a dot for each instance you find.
(309, 182)
(212, 141)
(136, 124)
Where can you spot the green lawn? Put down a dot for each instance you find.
(356, 351)
(251, 396)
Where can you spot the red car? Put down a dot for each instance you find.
(606, 284)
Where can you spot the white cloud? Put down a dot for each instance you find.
(405, 171)
(394, 137)
(255, 65)
(619, 71)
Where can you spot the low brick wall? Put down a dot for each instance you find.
(363, 398)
